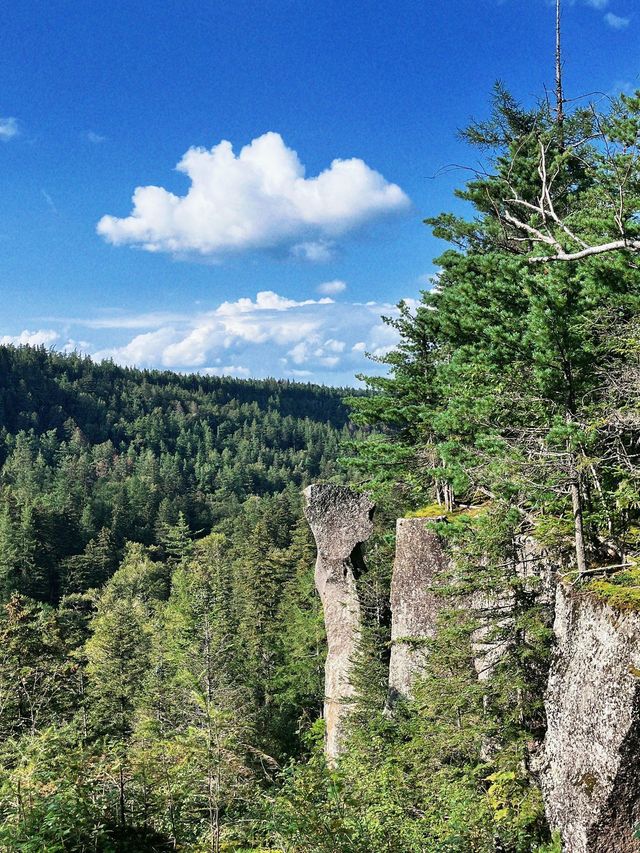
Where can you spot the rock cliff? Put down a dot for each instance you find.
(415, 604)
(590, 767)
(341, 521)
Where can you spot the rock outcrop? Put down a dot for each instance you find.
(415, 604)
(341, 521)
(589, 768)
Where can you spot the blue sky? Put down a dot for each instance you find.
(308, 135)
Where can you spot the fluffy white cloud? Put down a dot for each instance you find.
(597, 4)
(258, 199)
(266, 335)
(332, 288)
(616, 22)
(8, 128)
(144, 350)
(76, 346)
(46, 338)
(188, 342)
(319, 251)
(41, 337)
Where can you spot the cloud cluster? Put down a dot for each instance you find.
(332, 288)
(616, 22)
(269, 335)
(259, 199)
(36, 338)
(191, 342)
(44, 338)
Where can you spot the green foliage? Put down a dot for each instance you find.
(620, 590)
(162, 516)
(510, 377)
(439, 512)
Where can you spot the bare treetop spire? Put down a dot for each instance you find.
(559, 92)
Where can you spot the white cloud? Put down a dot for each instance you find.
(266, 300)
(188, 343)
(616, 22)
(597, 4)
(332, 288)
(95, 138)
(9, 128)
(335, 346)
(143, 350)
(149, 320)
(41, 337)
(76, 346)
(259, 199)
(318, 252)
(266, 335)
(229, 370)
(382, 339)
(299, 353)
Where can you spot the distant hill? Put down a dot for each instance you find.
(90, 450)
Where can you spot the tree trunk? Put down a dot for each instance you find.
(122, 802)
(576, 504)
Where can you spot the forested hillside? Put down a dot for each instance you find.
(161, 643)
(96, 455)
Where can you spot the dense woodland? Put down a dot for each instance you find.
(161, 646)
(160, 637)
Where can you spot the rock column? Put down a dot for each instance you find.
(415, 604)
(341, 521)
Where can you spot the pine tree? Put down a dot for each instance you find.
(118, 654)
(198, 722)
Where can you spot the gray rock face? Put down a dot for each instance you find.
(341, 520)
(590, 768)
(415, 605)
